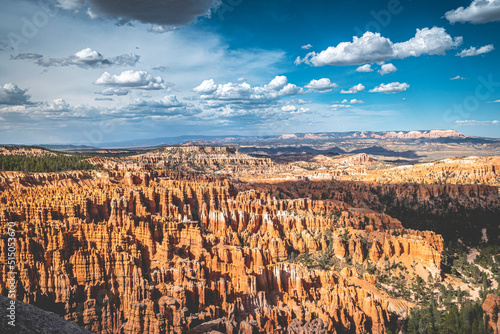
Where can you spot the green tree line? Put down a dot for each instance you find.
(57, 163)
(466, 319)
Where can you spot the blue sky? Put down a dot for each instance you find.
(76, 71)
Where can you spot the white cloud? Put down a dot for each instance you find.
(242, 99)
(49, 109)
(289, 108)
(294, 110)
(372, 47)
(56, 106)
(393, 87)
(207, 87)
(291, 90)
(278, 83)
(302, 110)
(472, 51)
(336, 107)
(168, 105)
(458, 77)
(158, 12)
(132, 79)
(479, 11)
(306, 47)
(387, 68)
(113, 91)
(353, 101)
(497, 101)
(86, 58)
(169, 101)
(353, 90)
(11, 94)
(278, 87)
(365, 68)
(474, 122)
(322, 85)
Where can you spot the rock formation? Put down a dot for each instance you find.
(167, 252)
(491, 308)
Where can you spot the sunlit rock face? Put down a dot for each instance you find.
(163, 252)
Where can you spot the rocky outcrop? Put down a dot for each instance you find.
(455, 211)
(162, 252)
(25, 151)
(215, 158)
(31, 319)
(491, 308)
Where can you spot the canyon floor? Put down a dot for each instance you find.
(209, 239)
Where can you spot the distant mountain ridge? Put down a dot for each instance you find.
(236, 139)
(377, 135)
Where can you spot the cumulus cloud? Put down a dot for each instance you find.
(207, 87)
(241, 92)
(50, 109)
(11, 94)
(472, 51)
(479, 11)
(56, 106)
(289, 108)
(365, 68)
(336, 107)
(458, 77)
(113, 91)
(474, 122)
(353, 101)
(393, 87)
(294, 110)
(280, 85)
(169, 101)
(168, 105)
(239, 99)
(353, 90)
(306, 47)
(373, 47)
(156, 12)
(322, 85)
(132, 79)
(86, 58)
(387, 68)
